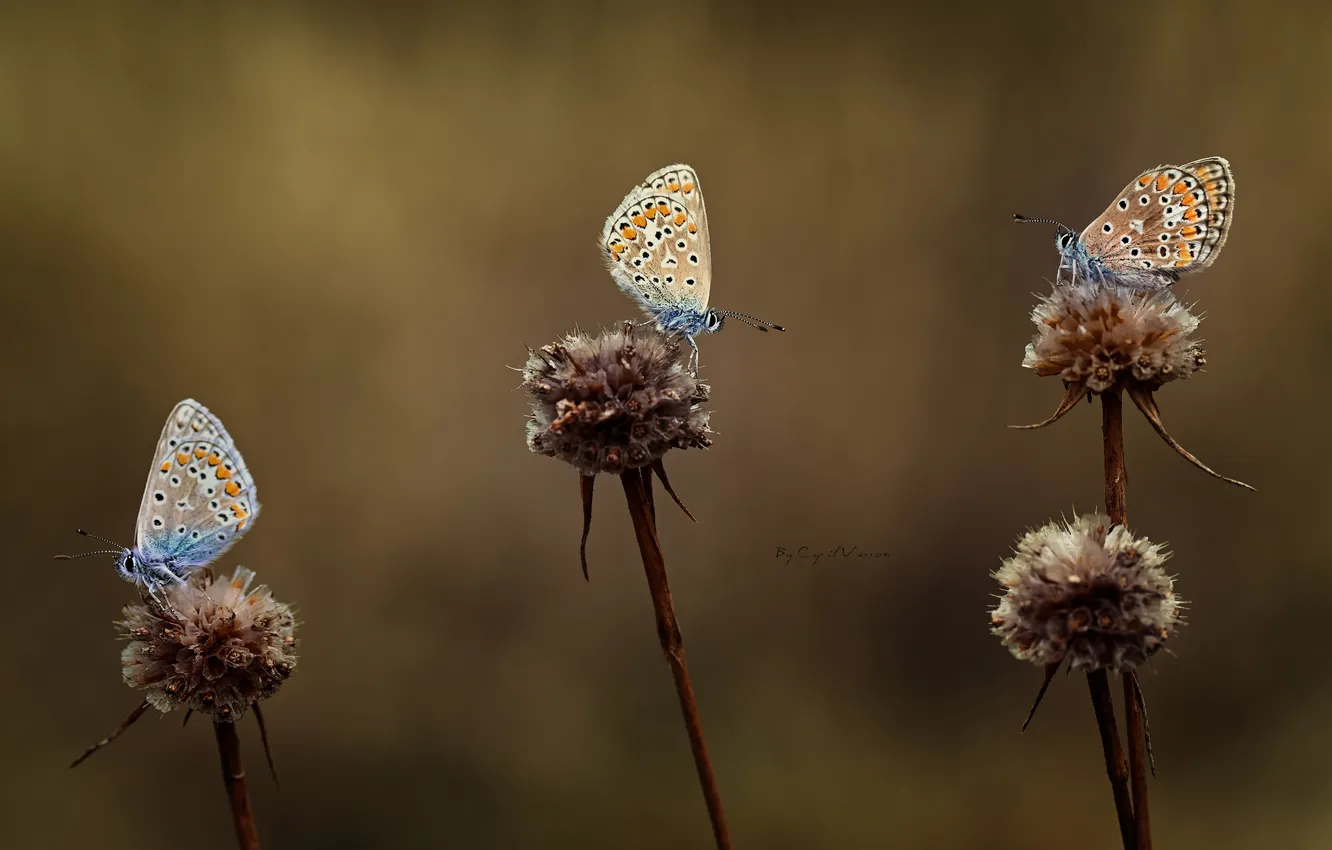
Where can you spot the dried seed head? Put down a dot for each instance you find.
(1101, 336)
(1088, 592)
(223, 648)
(614, 401)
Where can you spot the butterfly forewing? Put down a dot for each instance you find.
(200, 497)
(656, 241)
(1168, 221)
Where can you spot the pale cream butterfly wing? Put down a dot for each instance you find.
(656, 244)
(200, 497)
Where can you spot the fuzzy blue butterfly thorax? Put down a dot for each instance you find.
(687, 319)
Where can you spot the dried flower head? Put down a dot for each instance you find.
(1107, 338)
(218, 648)
(616, 401)
(1102, 336)
(1088, 592)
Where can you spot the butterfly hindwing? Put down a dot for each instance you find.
(200, 497)
(1168, 221)
(656, 242)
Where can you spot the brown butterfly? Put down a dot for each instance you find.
(1167, 222)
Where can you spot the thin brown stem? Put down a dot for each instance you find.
(1099, 685)
(1137, 761)
(1116, 475)
(672, 644)
(1116, 506)
(233, 777)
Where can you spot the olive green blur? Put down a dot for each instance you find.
(338, 225)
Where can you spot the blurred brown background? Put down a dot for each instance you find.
(337, 224)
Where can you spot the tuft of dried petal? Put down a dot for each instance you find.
(1086, 591)
(216, 648)
(615, 401)
(1101, 336)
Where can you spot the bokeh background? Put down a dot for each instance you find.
(338, 224)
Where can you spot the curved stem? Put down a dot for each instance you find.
(233, 777)
(672, 644)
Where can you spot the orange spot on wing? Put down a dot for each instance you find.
(1144, 179)
(1180, 188)
(195, 425)
(639, 220)
(651, 213)
(673, 186)
(663, 208)
(1192, 215)
(240, 526)
(1210, 188)
(688, 187)
(233, 489)
(1161, 182)
(1188, 200)
(1189, 232)
(693, 228)
(680, 218)
(182, 458)
(629, 233)
(200, 454)
(1184, 255)
(223, 473)
(214, 460)
(166, 466)
(1201, 172)
(240, 514)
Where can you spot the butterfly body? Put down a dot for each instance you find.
(657, 249)
(199, 499)
(688, 320)
(1168, 222)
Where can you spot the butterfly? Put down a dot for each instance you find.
(657, 250)
(200, 498)
(1169, 221)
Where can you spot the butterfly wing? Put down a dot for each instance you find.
(656, 242)
(1168, 221)
(200, 497)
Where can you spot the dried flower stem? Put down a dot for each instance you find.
(636, 490)
(1098, 683)
(233, 776)
(1137, 761)
(1116, 474)
(1116, 505)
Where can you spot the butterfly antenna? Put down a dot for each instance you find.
(86, 554)
(115, 551)
(1024, 220)
(751, 321)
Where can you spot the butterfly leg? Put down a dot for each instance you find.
(158, 576)
(150, 588)
(693, 355)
